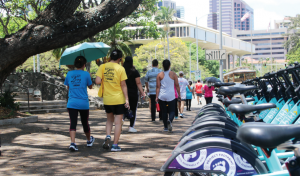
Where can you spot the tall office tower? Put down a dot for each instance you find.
(167, 3)
(180, 12)
(232, 12)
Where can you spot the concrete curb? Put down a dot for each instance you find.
(16, 121)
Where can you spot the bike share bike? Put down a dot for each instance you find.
(241, 139)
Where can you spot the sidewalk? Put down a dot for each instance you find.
(42, 148)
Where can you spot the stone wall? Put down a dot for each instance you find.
(35, 81)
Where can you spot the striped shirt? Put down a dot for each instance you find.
(151, 79)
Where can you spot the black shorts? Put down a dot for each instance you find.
(115, 109)
(199, 94)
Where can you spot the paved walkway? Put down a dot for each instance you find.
(42, 148)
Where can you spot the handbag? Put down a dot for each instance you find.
(101, 89)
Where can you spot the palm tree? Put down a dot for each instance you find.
(165, 15)
(116, 38)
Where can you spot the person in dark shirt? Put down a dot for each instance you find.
(133, 85)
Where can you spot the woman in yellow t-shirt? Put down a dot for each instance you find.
(115, 97)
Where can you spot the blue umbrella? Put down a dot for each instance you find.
(91, 51)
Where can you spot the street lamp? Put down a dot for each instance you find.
(191, 59)
(197, 35)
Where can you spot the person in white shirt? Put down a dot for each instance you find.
(182, 84)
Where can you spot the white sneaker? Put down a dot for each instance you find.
(132, 130)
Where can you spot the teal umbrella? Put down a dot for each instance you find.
(91, 51)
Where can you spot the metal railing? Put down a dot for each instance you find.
(56, 86)
(24, 88)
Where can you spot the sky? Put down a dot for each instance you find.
(264, 11)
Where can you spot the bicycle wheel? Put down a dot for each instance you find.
(209, 124)
(213, 132)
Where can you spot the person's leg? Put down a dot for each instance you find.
(179, 107)
(198, 99)
(187, 104)
(182, 107)
(206, 100)
(190, 104)
(176, 108)
(210, 99)
(201, 99)
(163, 109)
(73, 114)
(118, 127)
(153, 107)
(171, 106)
(149, 103)
(133, 107)
(84, 116)
(109, 123)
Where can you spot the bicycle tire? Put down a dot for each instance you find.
(209, 124)
(214, 132)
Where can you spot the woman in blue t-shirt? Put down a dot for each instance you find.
(77, 81)
(189, 96)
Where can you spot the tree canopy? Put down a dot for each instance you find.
(179, 56)
(55, 24)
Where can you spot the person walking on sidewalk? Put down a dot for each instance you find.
(150, 82)
(77, 82)
(165, 94)
(182, 84)
(176, 102)
(115, 97)
(198, 88)
(208, 94)
(189, 96)
(133, 85)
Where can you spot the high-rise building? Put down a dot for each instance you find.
(180, 12)
(167, 3)
(232, 12)
(284, 23)
(268, 44)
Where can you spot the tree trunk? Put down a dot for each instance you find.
(57, 26)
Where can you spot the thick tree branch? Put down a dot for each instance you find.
(58, 10)
(37, 37)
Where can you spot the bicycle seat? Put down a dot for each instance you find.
(224, 90)
(267, 135)
(219, 96)
(220, 84)
(247, 99)
(227, 102)
(221, 99)
(246, 109)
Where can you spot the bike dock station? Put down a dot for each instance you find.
(255, 132)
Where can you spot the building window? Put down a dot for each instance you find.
(261, 34)
(261, 39)
(278, 53)
(277, 38)
(257, 49)
(238, 9)
(234, 4)
(243, 9)
(262, 54)
(277, 33)
(238, 5)
(275, 48)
